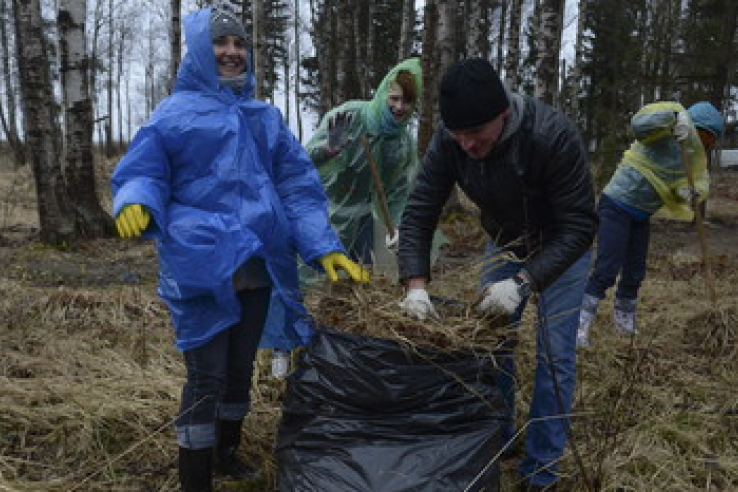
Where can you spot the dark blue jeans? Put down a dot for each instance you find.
(622, 249)
(219, 374)
(556, 354)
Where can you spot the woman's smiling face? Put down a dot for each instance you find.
(230, 55)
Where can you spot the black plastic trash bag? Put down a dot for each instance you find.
(367, 415)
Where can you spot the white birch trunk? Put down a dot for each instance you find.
(259, 46)
(298, 113)
(446, 32)
(549, 47)
(512, 60)
(576, 72)
(39, 123)
(175, 33)
(79, 169)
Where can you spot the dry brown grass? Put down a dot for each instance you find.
(89, 381)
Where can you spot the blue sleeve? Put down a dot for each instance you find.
(303, 197)
(143, 176)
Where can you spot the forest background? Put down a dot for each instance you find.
(83, 73)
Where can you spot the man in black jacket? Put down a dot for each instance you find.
(524, 165)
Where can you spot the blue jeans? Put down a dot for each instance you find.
(622, 248)
(219, 374)
(558, 319)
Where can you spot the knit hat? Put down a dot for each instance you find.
(705, 116)
(470, 94)
(224, 23)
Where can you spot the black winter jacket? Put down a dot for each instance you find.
(534, 191)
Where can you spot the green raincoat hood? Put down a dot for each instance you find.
(377, 114)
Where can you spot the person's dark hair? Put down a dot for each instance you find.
(470, 94)
(406, 80)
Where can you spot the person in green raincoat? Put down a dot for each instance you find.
(651, 178)
(336, 149)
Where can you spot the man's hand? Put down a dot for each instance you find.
(338, 132)
(132, 220)
(334, 260)
(418, 304)
(392, 242)
(682, 126)
(502, 297)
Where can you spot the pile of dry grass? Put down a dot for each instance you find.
(372, 310)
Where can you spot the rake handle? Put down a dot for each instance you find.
(686, 160)
(378, 186)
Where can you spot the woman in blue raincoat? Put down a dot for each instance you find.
(651, 178)
(337, 150)
(228, 194)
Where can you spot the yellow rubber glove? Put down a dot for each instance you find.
(334, 260)
(132, 220)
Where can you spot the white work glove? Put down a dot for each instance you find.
(688, 194)
(418, 304)
(501, 297)
(392, 242)
(682, 126)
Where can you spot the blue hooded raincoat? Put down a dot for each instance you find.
(224, 180)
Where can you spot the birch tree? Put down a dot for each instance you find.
(575, 80)
(512, 60)
(124, 34)
(79, 170)
(55, 212)
(298, 112)
(477, 19)
(175, 34)
(407, 32)
(430, 75)
(348, 86)
(10, 124)
(109, 151)
(501, 35)
(549, 48)
(447, 10)
(259, 46)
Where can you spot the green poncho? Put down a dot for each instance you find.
(347, 177)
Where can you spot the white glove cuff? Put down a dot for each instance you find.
(420, 295)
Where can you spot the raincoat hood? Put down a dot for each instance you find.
(377, 113)
(704, 115)
(198, 70)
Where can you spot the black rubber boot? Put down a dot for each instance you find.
(196, 469)
(227, 461)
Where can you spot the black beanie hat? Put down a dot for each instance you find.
(470, 94)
